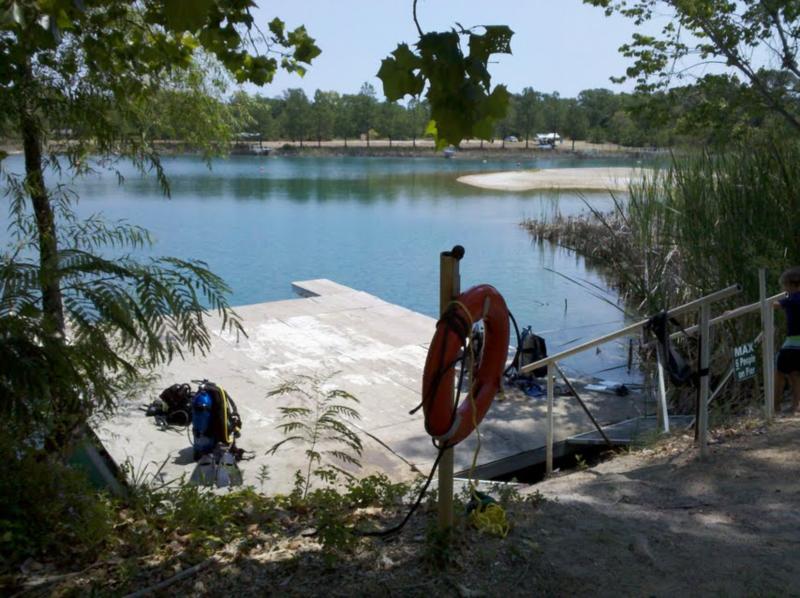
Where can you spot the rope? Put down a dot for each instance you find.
(491, 519)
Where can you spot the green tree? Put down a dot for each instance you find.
(95, 70)
(324, 114)
(576, 123)
(552, 112)
(345, 126)
(506, 125)
(391, 117)
(600, 105)
(527, 113)
(735, 34)
(419, 116)
(297, 116)
(364, 110)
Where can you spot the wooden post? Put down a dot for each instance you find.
(661, 406)
(551, 375)
(449, 289)
(705, 354)
(767, 346)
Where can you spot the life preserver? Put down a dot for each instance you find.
(483, 302)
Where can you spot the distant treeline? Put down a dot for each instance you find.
(715, 112)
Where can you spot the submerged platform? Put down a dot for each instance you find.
(359, 343)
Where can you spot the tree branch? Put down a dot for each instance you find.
(788, 59)
(735, 60)
(416, 21)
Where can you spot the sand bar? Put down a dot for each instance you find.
(590, 179)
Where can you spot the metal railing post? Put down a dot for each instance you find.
(551, 375)
(661, 408)
(705, 353)
(767, 346)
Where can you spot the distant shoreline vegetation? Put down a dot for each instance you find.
(405, 148)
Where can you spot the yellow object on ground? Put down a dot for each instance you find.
(491, 519)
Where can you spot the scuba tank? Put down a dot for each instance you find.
(203, 441)
(532, 349)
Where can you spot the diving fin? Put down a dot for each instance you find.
(205, 471)
(228, 473)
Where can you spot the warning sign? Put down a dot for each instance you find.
(744, 361)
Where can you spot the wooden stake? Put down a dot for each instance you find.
(449, 289)
(551, 374)
(767, 346)
(705, 354)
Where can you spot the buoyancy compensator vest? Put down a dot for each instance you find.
(215, 419)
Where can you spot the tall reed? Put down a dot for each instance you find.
(705, 221)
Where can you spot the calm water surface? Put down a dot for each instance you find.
(370, 223)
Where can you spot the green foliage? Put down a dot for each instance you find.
(580, 462)
(126, 316)
(46, 508)
(739, 35)
(440, 551)
(320, 423)
(84, 318)
(707, 221)
(463, 104)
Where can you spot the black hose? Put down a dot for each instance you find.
(414, 507)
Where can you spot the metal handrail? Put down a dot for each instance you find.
(702, 304)
(692, 305)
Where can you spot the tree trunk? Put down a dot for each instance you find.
(573, 144)
(66, 411)
(414, 142)
(526, 140)
(52, 303)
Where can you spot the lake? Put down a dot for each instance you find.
(374, 224)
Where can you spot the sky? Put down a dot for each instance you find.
(559, 45)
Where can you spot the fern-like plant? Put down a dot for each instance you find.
(322, 418)
(122, 316)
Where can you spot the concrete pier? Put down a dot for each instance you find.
(364, 345)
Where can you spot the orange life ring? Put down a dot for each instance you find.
(485, 303)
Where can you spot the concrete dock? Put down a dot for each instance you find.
(359, 343)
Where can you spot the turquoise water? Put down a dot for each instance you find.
(370, 223)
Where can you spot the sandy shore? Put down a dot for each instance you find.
(588, 179)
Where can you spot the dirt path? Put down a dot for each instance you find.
(656, 522)
(664, 523)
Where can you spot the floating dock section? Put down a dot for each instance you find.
(359, 343)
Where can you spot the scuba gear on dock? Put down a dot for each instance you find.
(215, 426)
(532, 348)
(215, 419)
(173, 406)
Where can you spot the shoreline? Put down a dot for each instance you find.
(549, 179)
(469, 150)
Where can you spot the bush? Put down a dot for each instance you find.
(48, 510)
